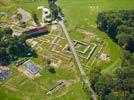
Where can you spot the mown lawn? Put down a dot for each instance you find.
(72, 93)
(28, 5)
(20, 87)
(83, 12)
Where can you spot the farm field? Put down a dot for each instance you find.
(80, 19)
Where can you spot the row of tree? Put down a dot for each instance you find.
(55, 10)
(119, 85)
(11, 47)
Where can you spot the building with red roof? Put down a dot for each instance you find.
(35, 32)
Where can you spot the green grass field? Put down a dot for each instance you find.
(19, 87)
(25, 4)
(78, 13)
(83, 13)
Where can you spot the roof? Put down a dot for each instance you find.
(36, 31)
(4, 73)
(40, 29)
(31, 67)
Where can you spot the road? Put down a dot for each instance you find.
(82, 72)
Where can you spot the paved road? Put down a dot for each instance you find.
(83, 74)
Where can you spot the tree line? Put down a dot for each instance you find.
(116, 86)
(12, 47)
(55, 10)
(120, 85)
(119, 26)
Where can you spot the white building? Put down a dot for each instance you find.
(46, 14)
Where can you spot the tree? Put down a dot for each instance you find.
(104, 86)
(51, 1)
(123, 39)
(19, 16)
(8, 31)
(49, 67)
(48, 61)
(94, 75)
(119, 26)
(11, 47)
(35, 18)
(4, 58)
(54, 10)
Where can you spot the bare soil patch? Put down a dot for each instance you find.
(26, 16)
